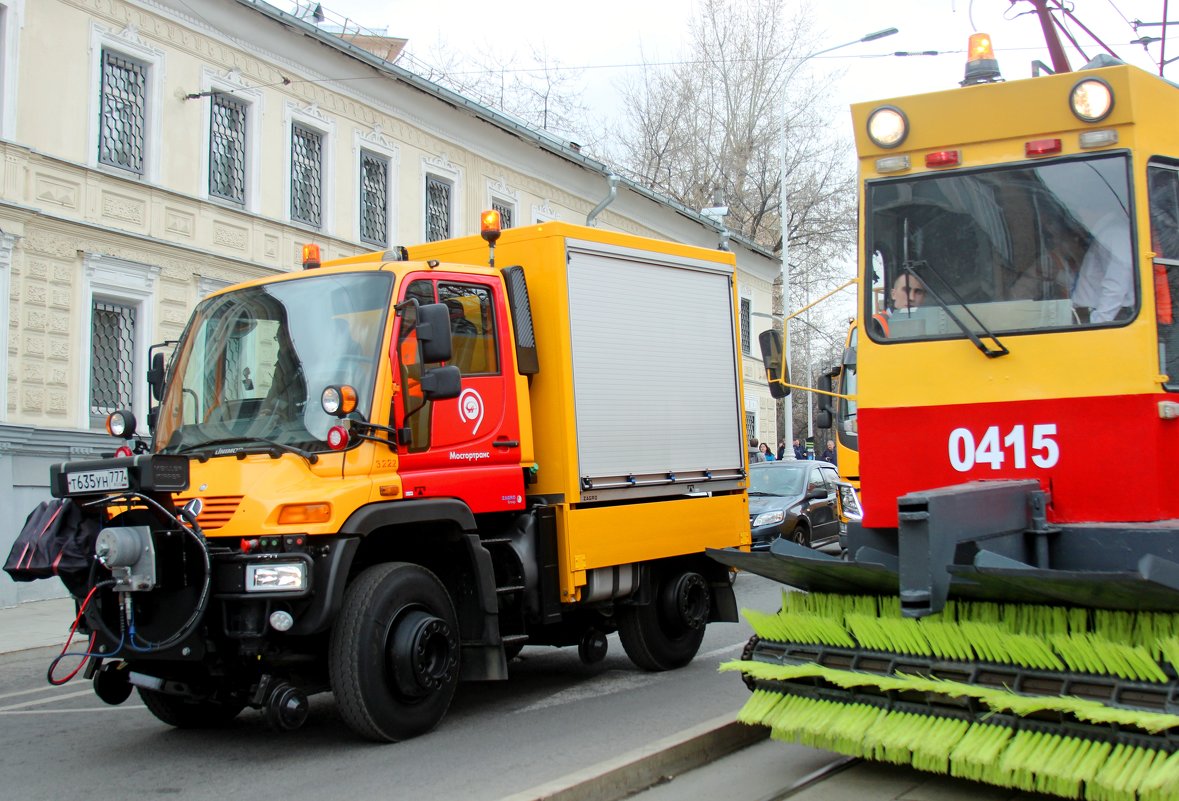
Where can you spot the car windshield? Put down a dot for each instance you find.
(1008, 249)
(782, 478)
(253, 362)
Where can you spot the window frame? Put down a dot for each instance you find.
(252, 99)
(745, 321)
(129, 283)
(7, 244)
(11, 22)
(310, 119)
(442, 170)
(128, 45)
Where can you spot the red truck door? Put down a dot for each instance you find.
(467, 447)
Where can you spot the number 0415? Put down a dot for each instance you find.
(994, 448)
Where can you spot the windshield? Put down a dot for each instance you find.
(785, 478)
(253, 362)
(1019, 248)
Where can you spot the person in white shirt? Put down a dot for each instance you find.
(1105, 284)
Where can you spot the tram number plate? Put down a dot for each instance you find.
(97, 480)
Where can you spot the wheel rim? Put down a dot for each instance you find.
(421, 654)
(687, 601)
(802, 536)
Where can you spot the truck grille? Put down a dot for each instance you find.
(217, 509)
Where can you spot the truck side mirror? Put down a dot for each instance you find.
(433, 329)
(155, 376)
(773, 356)
(442, 383)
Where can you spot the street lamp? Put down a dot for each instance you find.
(784, 208)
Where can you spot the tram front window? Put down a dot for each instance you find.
(1003, 250)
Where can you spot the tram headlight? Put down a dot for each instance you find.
(1091, 99)
(887, 126)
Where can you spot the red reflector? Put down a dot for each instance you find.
(337, 438)
(123, 451)
(942, 158)
(1042, 147)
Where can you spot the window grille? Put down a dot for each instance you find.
(437, 209)
(746, 343)
(227, 149)
(505, 213)
(374, 198)
(306, 175)
(750, 426)
(123, 112)
(112, 359)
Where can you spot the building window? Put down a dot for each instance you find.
(306, 175)
(507, 212)
(227, 149)
(112, 360)
(438, 194)
(123, 112)
(746, 309)
(116, 326)
(374, 198)
(750, 426)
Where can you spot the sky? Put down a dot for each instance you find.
(607, 38)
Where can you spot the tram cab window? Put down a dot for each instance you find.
(1022, 248)
(1163, 185)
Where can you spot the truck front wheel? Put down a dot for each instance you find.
(666, 633)
(394, 653)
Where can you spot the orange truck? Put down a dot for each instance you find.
(385, 474)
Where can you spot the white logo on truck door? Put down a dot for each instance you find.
(471, 408)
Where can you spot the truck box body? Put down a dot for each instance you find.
(638, 393)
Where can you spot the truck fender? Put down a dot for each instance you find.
(331, 577)
(367, 519)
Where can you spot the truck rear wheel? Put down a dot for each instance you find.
(394, 653)
(185, 714)
(666, 633)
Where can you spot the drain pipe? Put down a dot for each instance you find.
(606, 201)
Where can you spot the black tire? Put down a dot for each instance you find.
(666, 633)
(801, 535)
(394, 654)
(185, 714)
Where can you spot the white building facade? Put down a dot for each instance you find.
(157, 150)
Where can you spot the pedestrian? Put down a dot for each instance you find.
(829, 454)
(755, 451)
(799, 450)
(781, 450)
(766, 454)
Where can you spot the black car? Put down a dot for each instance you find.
(793, 499)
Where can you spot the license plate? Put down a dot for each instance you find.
(97, 480)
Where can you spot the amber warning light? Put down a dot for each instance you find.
(489, 225)
(489, 228)
(981, 66)
(310, 257)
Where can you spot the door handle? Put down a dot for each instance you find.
(506, 443)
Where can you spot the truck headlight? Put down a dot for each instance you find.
(276, 577)
(769, 518)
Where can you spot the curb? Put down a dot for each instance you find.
(647, 766)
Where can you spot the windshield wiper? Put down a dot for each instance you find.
(910, 267)
(269, 446)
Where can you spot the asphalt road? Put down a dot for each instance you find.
(553, 717)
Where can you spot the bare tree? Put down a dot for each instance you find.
(535, 89)
(714, 121)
